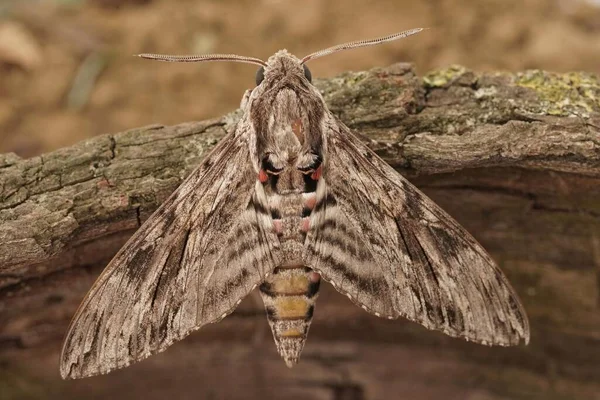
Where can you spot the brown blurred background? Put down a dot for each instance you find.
(67, 74)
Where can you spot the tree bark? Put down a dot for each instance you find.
(514, 157)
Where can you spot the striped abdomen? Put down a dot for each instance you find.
(289, 295)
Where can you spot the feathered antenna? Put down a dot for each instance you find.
(360, 43)
(205, 57)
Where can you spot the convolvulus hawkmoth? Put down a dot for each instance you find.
(289, 196)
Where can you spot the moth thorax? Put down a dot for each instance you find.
(288, 121)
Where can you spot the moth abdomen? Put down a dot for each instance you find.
(289, 295)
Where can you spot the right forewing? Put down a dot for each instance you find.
(190, 264)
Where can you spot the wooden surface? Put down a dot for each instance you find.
(514, 157)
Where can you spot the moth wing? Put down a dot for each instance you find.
(190, 264)
(395, 253)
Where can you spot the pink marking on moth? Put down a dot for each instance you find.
(277, 226)
(314, 277)
(305, 224)
(310, 201)
(315, 176)
(262, 176)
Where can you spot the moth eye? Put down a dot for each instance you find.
(260, 75)
(307, 73)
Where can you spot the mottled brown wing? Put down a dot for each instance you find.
(394, 252)
(190, 264)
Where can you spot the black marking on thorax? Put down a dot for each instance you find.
(310, 185)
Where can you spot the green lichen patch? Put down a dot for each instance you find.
(444, 77)
(343, 81)
(573, 93)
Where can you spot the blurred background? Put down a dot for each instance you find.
(67, 74)
(66, 70)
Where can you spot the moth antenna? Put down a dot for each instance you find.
(360, 43)
(205, 57)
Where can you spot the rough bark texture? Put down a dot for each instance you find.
(514, 157)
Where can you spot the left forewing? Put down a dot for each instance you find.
(190, 264)
(394, 252)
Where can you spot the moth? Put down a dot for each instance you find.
(289, 197)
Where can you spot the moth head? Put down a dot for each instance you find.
(280, 66)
